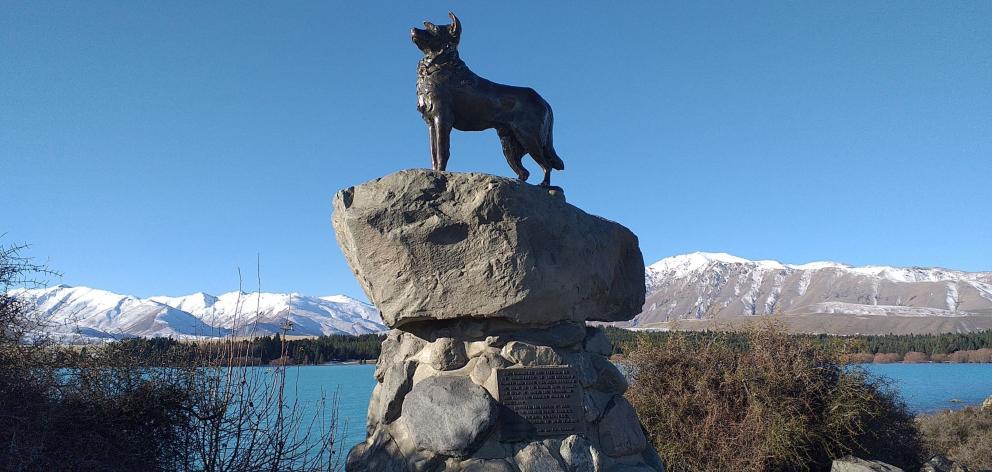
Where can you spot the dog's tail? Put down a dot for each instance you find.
(549, 147)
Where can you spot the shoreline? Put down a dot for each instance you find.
(348, 362)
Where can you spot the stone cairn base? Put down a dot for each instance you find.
(435, 409)
(479, 276)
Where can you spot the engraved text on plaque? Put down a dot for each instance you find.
(539, 401)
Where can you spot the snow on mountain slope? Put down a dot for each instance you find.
(86, 313)
(702, 286)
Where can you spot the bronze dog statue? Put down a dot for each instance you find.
(449, 95)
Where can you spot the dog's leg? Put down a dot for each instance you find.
(514, 152)
(534, 146)
(541, 159)
(442, 140)
(547, 175)
(433, 139)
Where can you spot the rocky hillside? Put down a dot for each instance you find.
(74, 314)
(705, 289)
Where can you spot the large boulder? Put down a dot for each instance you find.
(618, 435)
(439, 245)
(448, 415)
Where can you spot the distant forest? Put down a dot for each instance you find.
(265, 350)
(950, 347)
(953, 347)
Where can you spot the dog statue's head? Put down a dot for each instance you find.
(434, 40)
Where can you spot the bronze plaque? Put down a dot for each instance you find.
(539, 402)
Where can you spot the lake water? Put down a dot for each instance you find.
(925, 387)
(353, 385)
(933, 387)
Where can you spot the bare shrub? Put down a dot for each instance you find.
(963, 436)
(776, 403)
(915, 357)
(245, 418)
(958, 357)
(980, 355)
(886, 358)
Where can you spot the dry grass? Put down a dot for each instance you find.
(777, 403)
(963, 436)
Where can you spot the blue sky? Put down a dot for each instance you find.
(156, 147)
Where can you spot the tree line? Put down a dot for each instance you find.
(276, 349)
(932, 345)
(265, 350)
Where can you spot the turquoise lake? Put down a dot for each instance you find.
(925, 387)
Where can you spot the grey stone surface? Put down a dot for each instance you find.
(387, 353)
(576, 454)
(484, 366)
(438, 245)
(381, 454)
(854, 464)
(537, 458)
(396, 348)
(525, 354)
(476, 348)
(609, 378)
(620, 432)
(599, 460)
(597, 342)
(492, 465)
(448, 414)
(396, 383)
(373, 415)
(448, 354)
(940, 463)
(493, 448)
(595, 404)
(584, 370)
(564, 334)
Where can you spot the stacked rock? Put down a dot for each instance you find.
(487, 284)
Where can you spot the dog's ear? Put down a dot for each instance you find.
(456, 26)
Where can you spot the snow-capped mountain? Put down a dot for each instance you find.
(85, 313)
(697, 290)
(714, 286)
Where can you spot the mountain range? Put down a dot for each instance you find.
(703, 290)
(691, 291)
(86, 314)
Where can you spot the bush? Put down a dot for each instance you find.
(963, 436)
(772, 403)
